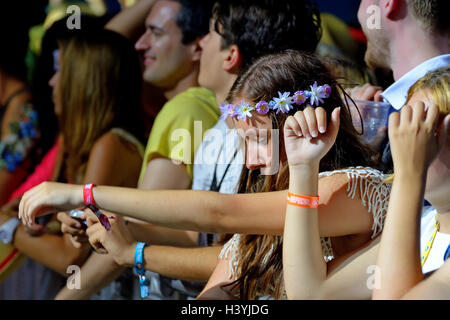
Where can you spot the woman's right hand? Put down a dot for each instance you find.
(416, 136)
(49, 197)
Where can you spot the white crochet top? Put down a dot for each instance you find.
(374, 195)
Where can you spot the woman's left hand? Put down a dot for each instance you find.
(307, 137)
(118, 241)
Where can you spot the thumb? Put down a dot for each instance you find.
(91, 218)
(335, 121)
(443, 131)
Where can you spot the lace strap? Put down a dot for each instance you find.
(230, 251)
(373, 191)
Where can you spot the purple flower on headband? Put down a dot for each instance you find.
(317, 94)
(284, 102)
(299, 97)
(232, 111)
(326, 89)
(244, 110)
(224, 108)
(262, 107)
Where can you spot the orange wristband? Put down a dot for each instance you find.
(302, 201)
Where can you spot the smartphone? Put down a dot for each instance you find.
(76, 214)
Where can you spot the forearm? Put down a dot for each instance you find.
(53, 251)
(131, 22)
(399, 256)
(435, 287)
(178, 263)
(156, 235)
(303, 264)
(202, 211)
(98, 271)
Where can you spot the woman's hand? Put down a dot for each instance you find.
(49, 197)
(118, 242)
(366, 92)
(416, 137)
(73, 228)
(307, 137)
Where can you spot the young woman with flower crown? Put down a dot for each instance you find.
(346, 195)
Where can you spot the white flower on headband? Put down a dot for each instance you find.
(244, 110)
(283, 103)
(317, 94)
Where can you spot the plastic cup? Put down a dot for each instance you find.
(374, 116)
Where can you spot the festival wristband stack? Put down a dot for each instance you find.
(302, 201)
(144, 283)
(88, 197)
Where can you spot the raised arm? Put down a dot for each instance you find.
(435, 287)
(412, 136)
(131, 22)
(303, 264)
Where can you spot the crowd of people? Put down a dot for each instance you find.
(203, 149)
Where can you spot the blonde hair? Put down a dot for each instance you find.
(436, 83)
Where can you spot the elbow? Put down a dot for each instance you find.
(216, 214)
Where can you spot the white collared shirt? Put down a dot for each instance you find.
(397, 93)
(441, 242)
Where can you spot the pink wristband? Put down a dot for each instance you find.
(88, 196)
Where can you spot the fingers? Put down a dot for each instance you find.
(91, 218)
(311, 122)
(365, 92)
(68, 221)
(292, 127)
(96, 234)
(299, 116)
(335, 122)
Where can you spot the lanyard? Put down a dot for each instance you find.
(214, 186)
(429, 244)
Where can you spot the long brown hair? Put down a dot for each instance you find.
(260, 261)
(100, 85)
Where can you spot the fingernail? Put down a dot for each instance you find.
(308, 136)
(322, 129)
(299, 134)
(314, 134)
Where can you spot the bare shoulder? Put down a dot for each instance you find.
(111, 143)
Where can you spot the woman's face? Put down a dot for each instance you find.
(438, 175)
(54, 82)
(262, 143)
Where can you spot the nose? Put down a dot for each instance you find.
(144, 41)
(255, 160)
(53, 80)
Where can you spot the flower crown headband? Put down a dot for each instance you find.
(283, 103)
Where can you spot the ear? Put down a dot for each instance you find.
(233, 60)
(196, 51)
(389, 8)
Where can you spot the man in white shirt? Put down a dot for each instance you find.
(410, 37)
